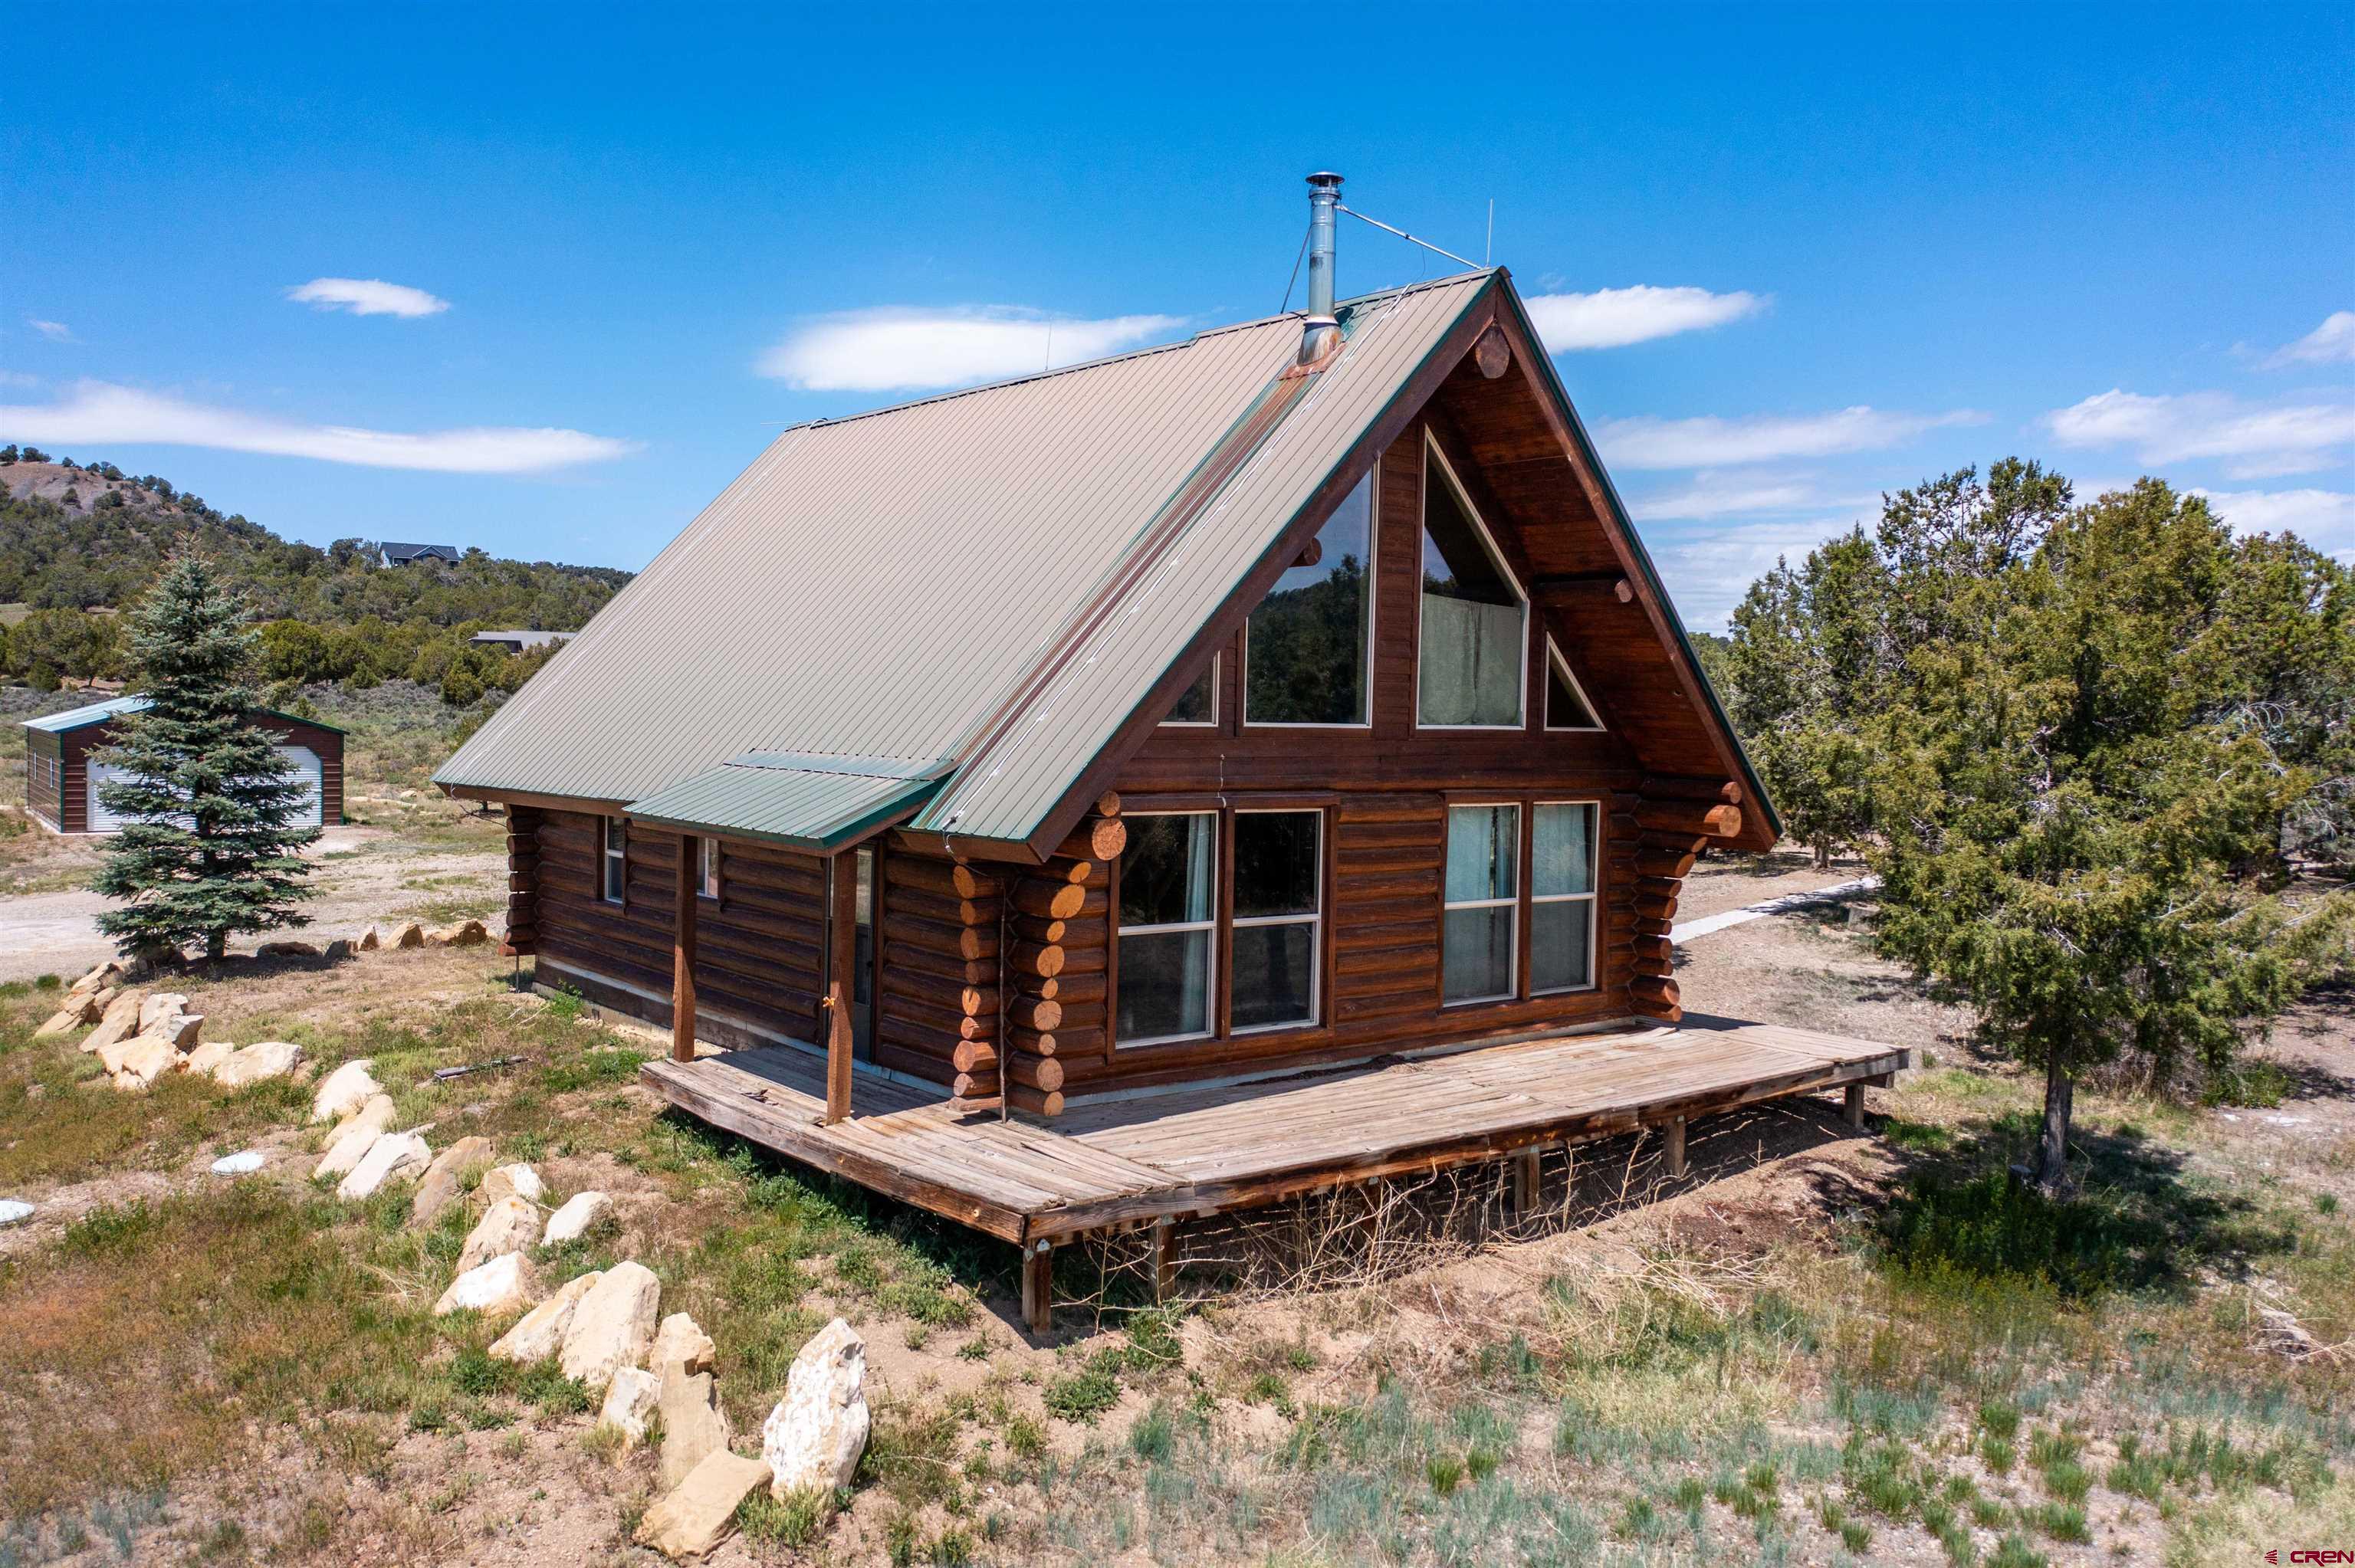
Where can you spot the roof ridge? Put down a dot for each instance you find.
(1024, 379)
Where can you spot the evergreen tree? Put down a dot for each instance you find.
(210, 848)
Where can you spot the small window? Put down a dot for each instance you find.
(1562, 897)
(1200, 704)
(1279, 891)
(1482, 922)
(1168, 914)
(1566, 706)
(1475, 634)
(706, 866)
(617, 858)
(1307, 647)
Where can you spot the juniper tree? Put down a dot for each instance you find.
(210, 846)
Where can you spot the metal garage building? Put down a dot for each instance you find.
(62, 770)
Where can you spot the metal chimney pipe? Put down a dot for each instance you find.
(1320, 331)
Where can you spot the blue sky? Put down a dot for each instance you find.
(543, 279)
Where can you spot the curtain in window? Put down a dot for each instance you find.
(1471, 662)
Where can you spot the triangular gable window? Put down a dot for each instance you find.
(1566, 706)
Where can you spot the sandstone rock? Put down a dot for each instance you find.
(111, 1055)
(411, 936)
(514, 1181)
(61, 1022)
(700, 1512)
(497, 1288)
(613, 1327)
(263, 1059)
(629, 1399)
(541, 1332)
(181, 1029)
(348, 1089)
(394, 1157)
(120, 1021)
(158, 1006)
(511, 1224)
(574, 1221)
(104, 975)
(146, 1060)
(239, 1164)
(286, 949)
(208, 1058)
(370, 941)
(464, 934)
(681, 1349)
(339, 950)
(693, 1425)
(352, 1140)
(813, 1437)
(446, 1179)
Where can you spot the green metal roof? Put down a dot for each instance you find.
(804, 800)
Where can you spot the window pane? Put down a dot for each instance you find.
(862, 960)
(1469, 666)
(1165, 873)
(1200, 704)
(1165, 984)
(1276, 869)
(1274, 973)
(1559, 958)
(1483, 845)
(1306, 643)
(1565, 709)
(1562, 851)
(1477, 954)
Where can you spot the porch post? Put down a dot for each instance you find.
(1854, 1105)
(841, 961)
(682, 952)
(1675, 1148)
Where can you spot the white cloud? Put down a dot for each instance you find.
(2251, 441)
(1740, 494)
(56, 332)
(2323, 518)
(1613, 318)
(2332, 342)
(98, 412)
(899, 346)
(1710, 442)
(18, 378)
(1707, 571)
(368, 297)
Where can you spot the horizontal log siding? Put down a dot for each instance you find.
(938, 999)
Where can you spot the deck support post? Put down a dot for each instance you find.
(1673, 1155)
(1524, 1184)
(841, 951)
(1165, 1260)
(1038, 1287)
(1854, 1098)
(682, 951)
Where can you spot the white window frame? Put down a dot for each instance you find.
(1545, 718)
(1211, 723)
(1372, 479)
(1316, 937)
(613, 856)
(1209, 1031)
(1591, 896)
(1496, 558)
(1512, 992)
(707, 867)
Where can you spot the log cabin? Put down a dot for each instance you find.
(1283, 730)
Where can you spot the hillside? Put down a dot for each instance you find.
(83, 537)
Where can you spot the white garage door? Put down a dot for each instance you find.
(301, 761)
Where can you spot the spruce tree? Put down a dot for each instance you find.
(210, 846)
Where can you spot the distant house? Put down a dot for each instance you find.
(518, 641)
(391, 555)
(63, 772)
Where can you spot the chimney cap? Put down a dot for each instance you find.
(1324, 177)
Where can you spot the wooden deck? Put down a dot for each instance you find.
(1120, 1162)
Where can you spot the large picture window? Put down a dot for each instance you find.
(706, 866)
(1279, 893)
(1566, 706)
(1473, 640)
(1199, 705)
(1561, 896)
(1169, 917)
(1308, 648)
(616, 859)
(1482, 918)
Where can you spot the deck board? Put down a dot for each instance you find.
(1198, 1150)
